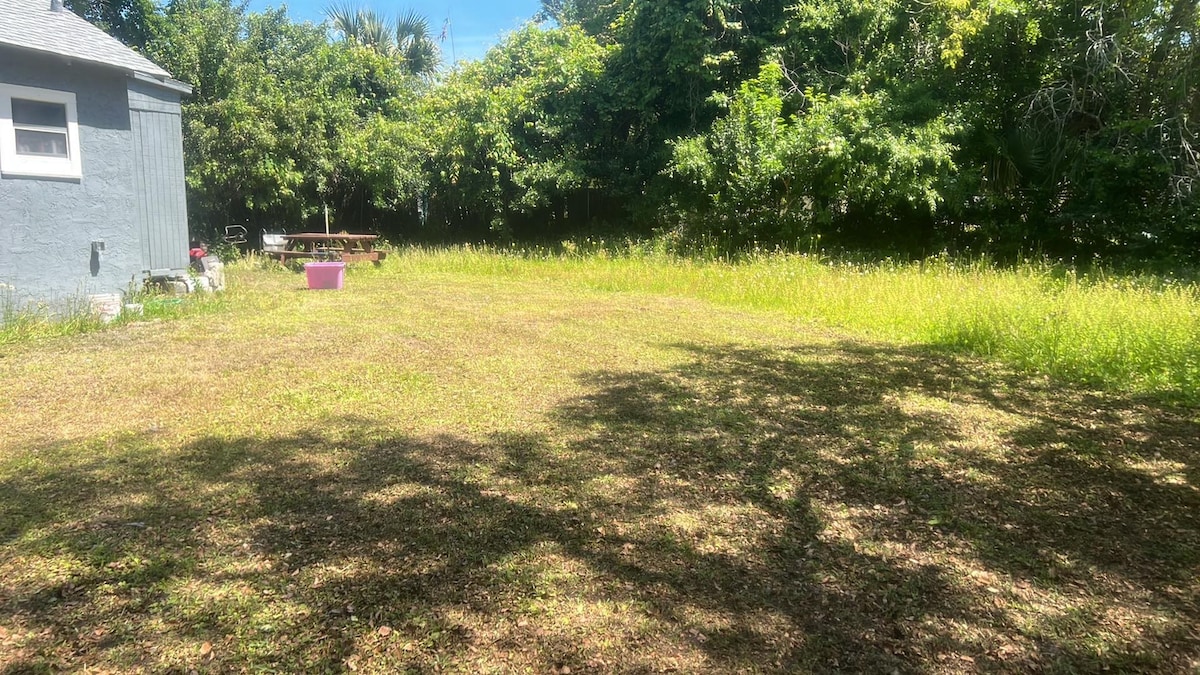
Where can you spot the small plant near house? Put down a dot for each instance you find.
(20, 322)
(226, 252)
(157, 303)
(259, 260)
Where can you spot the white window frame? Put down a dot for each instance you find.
(13, 164)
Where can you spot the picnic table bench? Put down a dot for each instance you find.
(318, 245)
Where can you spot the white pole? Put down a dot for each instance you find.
(326, 219)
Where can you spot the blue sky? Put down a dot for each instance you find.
(475, 24)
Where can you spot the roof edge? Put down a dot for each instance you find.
(69, 58)
(164, 82)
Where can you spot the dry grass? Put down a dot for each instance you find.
(434, 471)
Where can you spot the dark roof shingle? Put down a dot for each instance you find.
(31, 24)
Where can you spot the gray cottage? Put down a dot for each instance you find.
(91, 160)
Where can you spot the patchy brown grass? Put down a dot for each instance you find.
(434, 472)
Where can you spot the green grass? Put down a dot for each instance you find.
(1128, 333)
(36, 321)
(474, 462)
(40, 321)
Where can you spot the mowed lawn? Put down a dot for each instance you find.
(481, 473)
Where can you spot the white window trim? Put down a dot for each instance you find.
(12, 164)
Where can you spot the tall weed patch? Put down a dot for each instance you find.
(1134, 333)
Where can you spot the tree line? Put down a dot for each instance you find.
(1005, 127)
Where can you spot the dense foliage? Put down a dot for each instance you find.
(999, 126)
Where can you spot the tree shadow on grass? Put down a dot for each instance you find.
(1089, 504)
(817, 508)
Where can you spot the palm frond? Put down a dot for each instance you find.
(422, 57)
(376, 33)
(411, 26)
(345, 19)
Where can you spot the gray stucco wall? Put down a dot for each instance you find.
(47, 226)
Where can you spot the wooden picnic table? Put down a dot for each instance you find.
(343, 246)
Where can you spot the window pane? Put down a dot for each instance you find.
(41, 143)
(39, 113)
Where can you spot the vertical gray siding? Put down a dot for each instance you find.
(159, 183)
(158, 180)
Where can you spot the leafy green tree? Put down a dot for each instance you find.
(514, 135)
(133, 22)
(1001, 125)
(1082, 145)
(282, 121)
(832, 169)
(597, 18)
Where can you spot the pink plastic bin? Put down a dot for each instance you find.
(325, 275)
